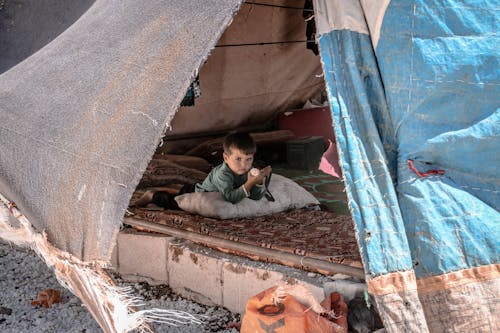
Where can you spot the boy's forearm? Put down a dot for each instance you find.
(248, 186)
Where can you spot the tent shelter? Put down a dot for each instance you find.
(413, 89)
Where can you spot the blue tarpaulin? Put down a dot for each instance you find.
(414, 91)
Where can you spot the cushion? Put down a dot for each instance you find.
(287, 195)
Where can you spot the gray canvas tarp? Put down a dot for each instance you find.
(80, 118)
(79, 121)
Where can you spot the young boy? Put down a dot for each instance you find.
(232, 178)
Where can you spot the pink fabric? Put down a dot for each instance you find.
(330, 161)
(315, 121)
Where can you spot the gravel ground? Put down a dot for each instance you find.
(23, 275)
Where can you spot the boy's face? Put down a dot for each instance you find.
(239, 162)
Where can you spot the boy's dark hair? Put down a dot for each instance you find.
(241, 141)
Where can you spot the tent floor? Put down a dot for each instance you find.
(324, 235)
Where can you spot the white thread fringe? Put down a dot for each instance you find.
(110, 305)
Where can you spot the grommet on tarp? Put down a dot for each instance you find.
(424, 174)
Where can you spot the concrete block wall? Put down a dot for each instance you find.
(143, 255)
(193, 274)
(204, 275)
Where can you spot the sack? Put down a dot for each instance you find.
(265, 312)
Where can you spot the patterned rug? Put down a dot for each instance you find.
(318, 234)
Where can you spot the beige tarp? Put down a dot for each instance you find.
(245, 85)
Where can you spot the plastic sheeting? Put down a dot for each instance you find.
(421, 85)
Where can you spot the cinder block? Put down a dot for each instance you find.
(241, 282)
(195, 274)
(143, 254)
(317, 291)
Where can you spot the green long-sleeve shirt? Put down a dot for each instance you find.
(230, 185)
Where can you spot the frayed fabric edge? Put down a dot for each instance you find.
(113, 307)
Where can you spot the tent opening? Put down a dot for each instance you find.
(262, 78)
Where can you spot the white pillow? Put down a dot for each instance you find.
(287, 195)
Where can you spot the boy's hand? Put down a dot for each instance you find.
(257, 178)
(254, 177)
